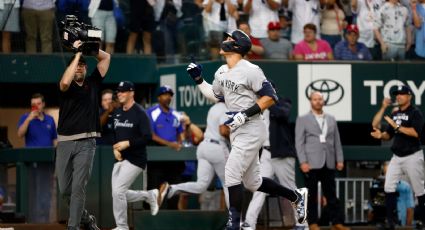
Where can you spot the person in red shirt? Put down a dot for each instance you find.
(257, 49)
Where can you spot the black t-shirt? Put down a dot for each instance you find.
(404, 145)
(106, 5)
(78, 112)
(133, 125)
(282, 142)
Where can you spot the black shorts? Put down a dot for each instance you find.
(141, 16)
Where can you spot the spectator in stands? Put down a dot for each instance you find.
(410, 53)
(312, 48)
(418, 11)
(304, 12)
(351, 49)
(366, 13)
(276, 47)
(167, 130)
(39, 130)
(261, 12)
(257, 49)
(218, 16)
(9, 23)
(392, 30)
(141, 20)
(285, 19)
(109, 103)
(167, 17)
(332, 22)
(38, 16)
(78, 8)
(102, 16)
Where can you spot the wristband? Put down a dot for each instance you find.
(397, 128)
(255, 109)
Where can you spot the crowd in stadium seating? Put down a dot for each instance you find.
(390, 30)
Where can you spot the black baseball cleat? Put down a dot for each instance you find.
(234, 222)
(300, 205)
(164, 189)
(91, 224)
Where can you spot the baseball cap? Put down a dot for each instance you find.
(402, 89)
(165, 89)
(125, 86)
(81, 61)
(352, 28)
(273, 26)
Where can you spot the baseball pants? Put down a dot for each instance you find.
(124, 174)
(74, 161)
(284, 169)
(211, 159)
(412, 166)
(243, 164)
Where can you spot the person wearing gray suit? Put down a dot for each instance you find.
(319, 152)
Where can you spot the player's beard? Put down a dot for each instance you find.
(79, 77)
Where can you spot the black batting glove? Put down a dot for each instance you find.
(195, 71)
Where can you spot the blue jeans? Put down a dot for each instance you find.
(394, 52)
(331, 39)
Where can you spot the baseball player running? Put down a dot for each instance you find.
(405, 126)
(211, 153)
(246, 93)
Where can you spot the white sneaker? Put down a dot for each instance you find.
(301, 205)
(246, 226)
(153, 201)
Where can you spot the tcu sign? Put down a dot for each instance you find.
(373, 86)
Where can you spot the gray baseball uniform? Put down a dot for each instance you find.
(283, 168)
(211, 153)
(238, 86)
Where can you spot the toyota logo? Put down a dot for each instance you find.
(331, 90)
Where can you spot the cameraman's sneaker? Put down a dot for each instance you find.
(153, 201)
(300, 205)
(91, 224)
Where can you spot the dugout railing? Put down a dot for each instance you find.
(99, 189)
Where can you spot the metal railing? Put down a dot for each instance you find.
(353, 194)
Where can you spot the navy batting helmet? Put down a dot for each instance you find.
(241, 43)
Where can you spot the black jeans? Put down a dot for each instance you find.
(327, 178)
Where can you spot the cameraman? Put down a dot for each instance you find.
(77, 129)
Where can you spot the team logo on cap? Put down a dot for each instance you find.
(121, 83)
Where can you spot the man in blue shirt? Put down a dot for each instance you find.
(350, 49)
(167, 130)
(39, 130)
